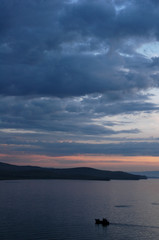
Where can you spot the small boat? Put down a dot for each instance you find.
(103, 222)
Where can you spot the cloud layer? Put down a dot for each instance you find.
(77, 71)
(63, 48)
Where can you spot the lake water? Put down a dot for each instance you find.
(66, 209)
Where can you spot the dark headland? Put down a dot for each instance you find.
(15, 172)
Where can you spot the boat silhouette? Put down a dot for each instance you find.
(103, 222)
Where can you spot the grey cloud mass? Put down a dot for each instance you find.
(75, 70)
(72, 49)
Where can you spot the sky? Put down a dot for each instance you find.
(79, 83)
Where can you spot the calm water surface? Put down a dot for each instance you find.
(66, 209)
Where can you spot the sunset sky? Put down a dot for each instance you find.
(79, 83)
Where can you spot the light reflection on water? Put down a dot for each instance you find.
(63, 209)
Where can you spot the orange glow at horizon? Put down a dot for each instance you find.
(114, 162)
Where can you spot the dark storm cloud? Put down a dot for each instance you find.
(62, 49)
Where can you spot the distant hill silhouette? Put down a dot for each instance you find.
(148, 174)
(8, 171)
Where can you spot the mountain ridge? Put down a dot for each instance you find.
(15, 172)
